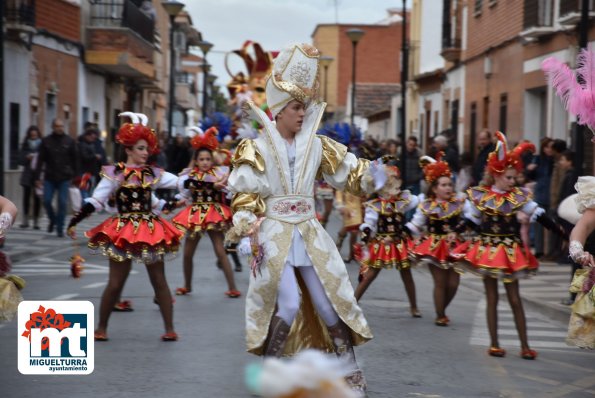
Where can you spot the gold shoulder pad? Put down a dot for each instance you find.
(333, 154)
(247, 153)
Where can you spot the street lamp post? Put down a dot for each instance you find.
(355, 36)
(211, 79)
(325, 61)
(172, 8)
(404, 77)
(205, 46)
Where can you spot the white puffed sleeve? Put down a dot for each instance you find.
(102, 193)
(471, 212)
(167, 181)
(370, 220)
(419, 220)
(531, 208)
(414, 202)
(585, 186)
(244, 179)
(183, 192)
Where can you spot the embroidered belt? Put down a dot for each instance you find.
(292, 209)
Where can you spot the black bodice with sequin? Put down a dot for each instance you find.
(203, 191)
(443, 226)
(133, 199)
(390, 223)
(498, 224)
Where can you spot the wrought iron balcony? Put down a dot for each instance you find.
(20, 15)
(121, 39)
(570, 11)
(124, 14)
(537, 18)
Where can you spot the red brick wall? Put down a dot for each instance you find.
(495, 24)
(61, 69)
(377, 57)
(507, 78)
(59, 17)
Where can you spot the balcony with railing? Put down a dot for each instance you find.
(570, 12)
(186, 92)
(120, 39)
(451, 44)
(451, 49)
(537, 18)
(19, 16)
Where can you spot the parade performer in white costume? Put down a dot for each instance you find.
(300, 296)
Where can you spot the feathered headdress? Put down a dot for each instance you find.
(578, 97)
(501, 159)
(434, 168)
(221, 122)
(130, 133)
(207, 140)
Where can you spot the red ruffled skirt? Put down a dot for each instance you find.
(435, 250)
(502, 257)
(198, 218)
(145, 238)
(388, 255)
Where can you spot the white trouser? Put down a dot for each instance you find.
(288, 299)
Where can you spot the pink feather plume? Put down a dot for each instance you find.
(578, 98)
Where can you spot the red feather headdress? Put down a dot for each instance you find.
(130, 133)
(434, 168)
(207, 140)
(502, 159)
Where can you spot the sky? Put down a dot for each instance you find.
(274, 24)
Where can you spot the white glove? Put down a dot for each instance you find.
(378, 174)
(5, 222)
(244, 247)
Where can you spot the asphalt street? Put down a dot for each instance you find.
(409, 357)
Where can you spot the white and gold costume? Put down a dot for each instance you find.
(276, 180)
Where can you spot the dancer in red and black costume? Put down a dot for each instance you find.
(203, 186)
(440, 214)
(135, 232)
(387, 237)
(498, 251)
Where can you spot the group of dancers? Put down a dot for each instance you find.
(300, 295)
(476, 231)
(137, 232)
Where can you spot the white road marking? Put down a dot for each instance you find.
(94, 285)
(67, 296)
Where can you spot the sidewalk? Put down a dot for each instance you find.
(22, 243)
(542, 292)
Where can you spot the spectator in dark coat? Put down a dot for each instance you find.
(451, 155)
(540, 171)
(27, 159)
(486, 146)
(91, 159)
(58, 160)
(413, 172)
(178, 154)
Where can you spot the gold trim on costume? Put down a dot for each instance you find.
(269, 137)
(247, 153)
(251, 202)
(354, 178)
(333, 154)
(309, 147)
